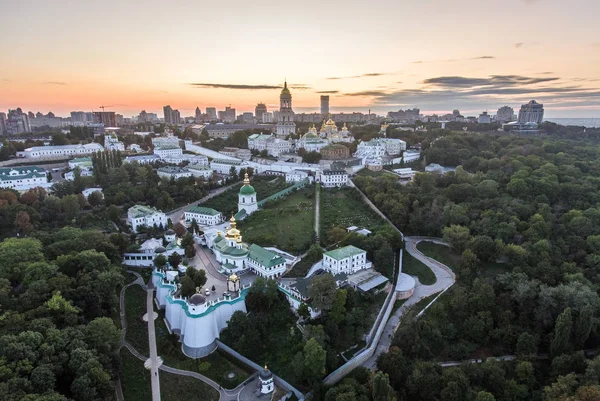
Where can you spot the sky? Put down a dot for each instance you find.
(382, 55)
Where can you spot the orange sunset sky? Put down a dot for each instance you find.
(381, 55)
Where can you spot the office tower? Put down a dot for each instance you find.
(532, 112)
(505, 114)
(260, 109)
(175, 117)
(324, 106)
(198, 115)
(106, 118)
(285, 122)
(89, 117)
(168, 114)
(211, 112)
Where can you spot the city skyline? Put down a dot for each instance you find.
(383, 57)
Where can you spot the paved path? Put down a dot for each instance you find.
(154, 361)
(317, 210)
(176, 214)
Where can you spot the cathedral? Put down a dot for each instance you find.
(285, 122)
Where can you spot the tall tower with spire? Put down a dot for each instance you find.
(285, 123)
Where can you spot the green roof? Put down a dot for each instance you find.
(167, 147)
(233, 251)
(142, 210)
(264, 257)
(227, 161)
(345, 252)
(247, 190)
(20, 173)
(204, 210)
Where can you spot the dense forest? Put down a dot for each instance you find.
(523, 218)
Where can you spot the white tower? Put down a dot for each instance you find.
(285, 123)
(247, 197)
(266, 381)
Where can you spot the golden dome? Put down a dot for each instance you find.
(233, 277)
(285, 90)
(232, 221)
(246, 182)
(330, 122)
(344, 127)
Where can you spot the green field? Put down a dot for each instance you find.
(135, 381)
(365, 172)
(137, 329)
(265, 186)
(343, 208)
(414, 267)
(287, 223)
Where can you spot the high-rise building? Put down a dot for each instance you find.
(50, 115)
(247, 117)
(211, 112)
(168, 113)
(285, 122)
(89, 117)
(404, 116)
(143, 116)
(198, 115)
(505, 114)
(78, 117)
(30, 115)
(259, 110)
(17, 122)
(532, 112)
(107, 118)
(175, 117)
(324, 105)
(39, 115)
(228, 115)
(119, 119)
(484, 118)
(267, 117)
(2, 123)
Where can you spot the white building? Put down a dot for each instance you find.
(285, 118)
(23, 178)
(143, 159)
(393, 146)
(505, 114)
(198, 170)
(81, 162)
(411, 156)
(153, 247)
(484, 118)
(348, 260)
(192, 159)
(140, 215)
(165, 151)
(173, 172)
(405, 174)
(169, 140)
(275, 146)
(88, 191)
(223, 166)
(70, 176)
(61, 151)
(204, 216)
(247, 200)
(296, 176)
(333, 178)
(532, 112)
(135, 148)
(111, 142)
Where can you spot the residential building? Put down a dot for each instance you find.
(259, 111)
(228, 115)
(211, 112)
(198, 115)
(204, 216)
(296, 176)
(199, 170)
(78, 117)
(532, 112)
(2, 123)
(169, 140)
(107, 118)
(275, 146)
(23, 178)
(142, 159)
(324, 105)
(267, 117)
(404, 116)
(247, 118)
(88, 191)
(484, 118)
(168, 114)
(285, 122)
(223, 166)
(347, 260)
(225, 130)
(173, 172)
(17, 122)
(60, 151)
(70, 176)
(505, 114)
(333, 178)
(145, 216)
(165, 151)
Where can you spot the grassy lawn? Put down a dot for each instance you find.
(145, 272)
(365, 172)
(137, 329)
(215, 366)
(265, 186)
(287, 223)
(343, 208)
(414, 267)
(135, 381)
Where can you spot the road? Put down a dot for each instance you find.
(317, 210)
(154, 361)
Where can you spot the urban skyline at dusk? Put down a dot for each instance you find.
(378, 56)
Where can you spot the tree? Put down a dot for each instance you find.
(194, 226)
(562, 333)
(23, 222)
(198, 275)
(95, 199)
(188, 287)
(384, 259)
(160, 261)
(233, 172)
(526, 346)
(381, 387)
(322, 291)
(457, 236)
(485, 396)
(335, 234)
(314, 361)
(338, 309)
(583, 326)
(175, 259)
(190, 251)
(303, 311)
(180, 230)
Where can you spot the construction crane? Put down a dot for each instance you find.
(102, 107)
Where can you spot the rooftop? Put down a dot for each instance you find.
(345, 252)
(204, 210)
(264, 257)
(173, 170)
(141, 210)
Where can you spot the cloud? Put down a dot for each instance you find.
(54, 83)
(369, 74)
(453, 60)
(325, 92)
(246, 87)
(498, 81)
(372, 93)
(519, 44)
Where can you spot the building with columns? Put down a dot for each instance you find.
(285, 120)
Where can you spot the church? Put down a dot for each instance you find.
(285, 123)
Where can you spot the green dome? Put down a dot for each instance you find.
(247, 190)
